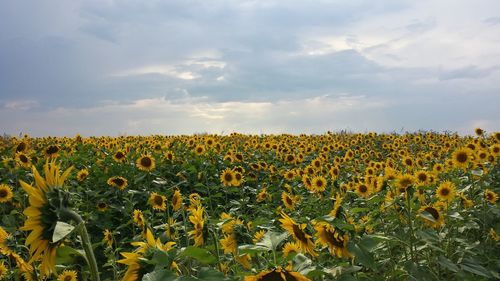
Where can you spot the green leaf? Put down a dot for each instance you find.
(160, 275)
(61, 230)
(68, 255)
(362, 255)
(302, 264)
(426, 215)
(370, 242)
(448, 264)
(428, 235)
(252, 249)
(475, 268)
(210, 275)
(202, 255)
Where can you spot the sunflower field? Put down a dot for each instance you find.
(336, 206)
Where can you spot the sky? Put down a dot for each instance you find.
(103, 67)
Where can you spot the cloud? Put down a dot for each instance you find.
(468, 72)
(492, 20)
(22, 105)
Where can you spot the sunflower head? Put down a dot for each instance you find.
(446, 191)
(5, 193)
(145, 163)
(158, 201)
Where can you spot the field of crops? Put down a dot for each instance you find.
(337, 206)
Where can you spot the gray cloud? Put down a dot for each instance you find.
(468, 72)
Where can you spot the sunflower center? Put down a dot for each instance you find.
(462, 157)
(228, 177)
(118, 181)
(319, 183)
(422, 177)
(52, 149)
(158, 200)
(363, 189)
(101, 205)
(237, 176)
(299, 234)
(119, 155)
(68, 278)
(445, 191)
(335, 241)
(21, 147)
(3, 193)
(146, 162)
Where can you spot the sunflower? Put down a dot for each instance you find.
(336, 207)
(158, 201)
(479, 131)
(363, 190)
(22, 147)
(462, 157)
(490, 196)
(446, 191)
(52, 151)
(422, 178)
(298, 233)
(176, 200)
(318, 184)
(101, 206)
(5, 193)
(227, 177)
(435, 219)
(118, 182)
(404, 182)
(257, 237)
(42, 217)
(466, 202)
(199, 149)
(3, 270)
(290, 247)
(263, 195)
(139, 260)
(108, 237)
(119, 156)
(145, 163)
(331, 237)
(277, 274)
(67, 275)
(288, 200)
(229, 244)
(138, 218)
(82, 175)
(23, 160)
(196, 218)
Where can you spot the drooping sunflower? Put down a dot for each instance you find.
(198, 221)
(446, 191)
(82, 175)
(490, 196)
(336, 207)
(42, 217)
(277, 274)
(436, 219)
(227, 177)
(146, 163)
(299, 234)
(176, 200)
(118, 182)
(403, 182)
(67, 275)
(158, 201)
(331, 237)
(3, 270)
(5, 193)
(462, 157)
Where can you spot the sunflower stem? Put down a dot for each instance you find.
(87, 245)
(214, 237)
(410, 222)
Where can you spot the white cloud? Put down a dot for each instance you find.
(21, 104)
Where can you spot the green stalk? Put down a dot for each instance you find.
(87, 245)
(410, 221)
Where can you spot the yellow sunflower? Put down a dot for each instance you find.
(101, 206)
(42, 217)
(108, 237)
(52, 151)
(23, 160)
(67, 275)
(158, 201)
(82, 175)
(403, 182)
(277, 274)
(446, 191)
(288, 200)
(119, 156)
(263, 195)
(118, 182)
(363, 190)
(176, 200)
(227, 177)
(229, 244)
(436, 218)
(462, 157)
(198, 221)
(5, 193)
(290, 247)
(199, 149)
(336, 207)
(490, 196)
(318, 184)
(138, 218)
(145, 163)
(298, 233)
(3, 270)
(330, 237)
(258, 236)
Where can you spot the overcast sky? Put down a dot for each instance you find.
(181, 67)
